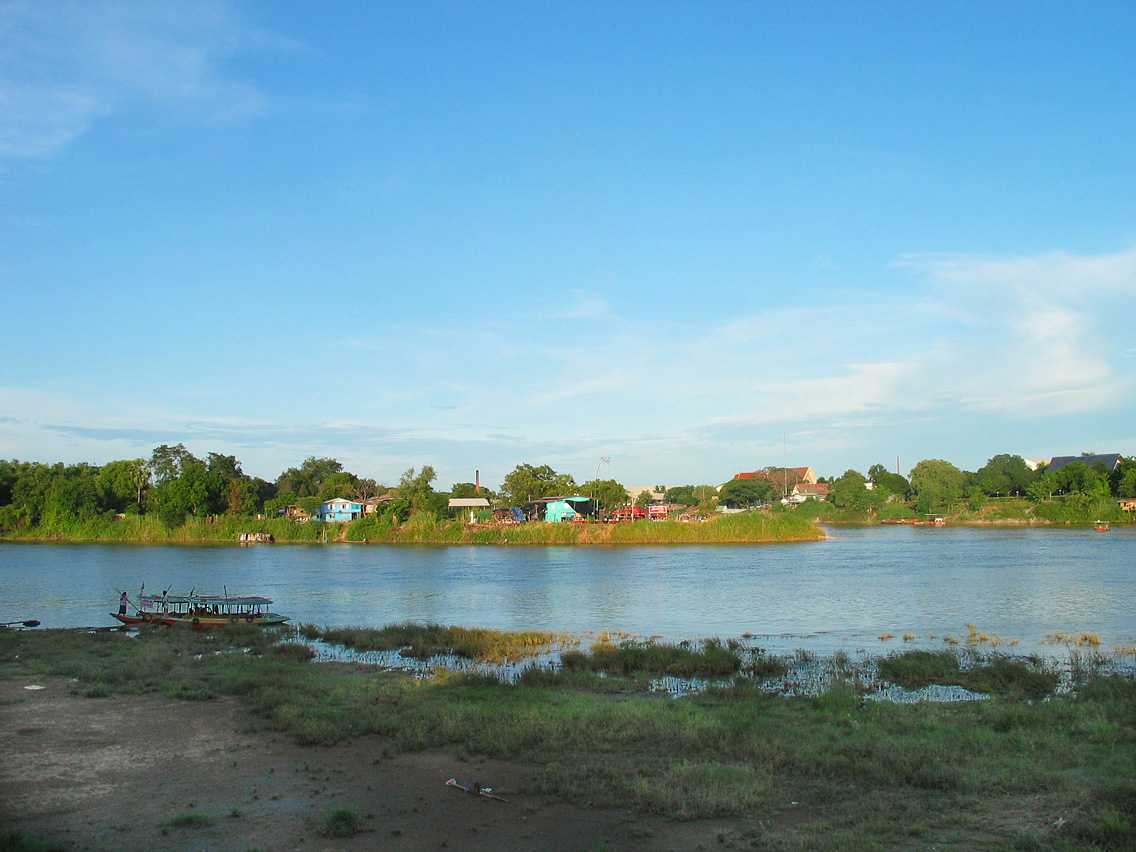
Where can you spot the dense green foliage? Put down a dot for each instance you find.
(745, 493)
(526, 482)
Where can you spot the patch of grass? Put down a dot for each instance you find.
(341, 822)
(190, 819)
(309, 631)
(633, 657)
(985, 773)
(995, 674)
(293, 651)
(427, 640)
(14, 841)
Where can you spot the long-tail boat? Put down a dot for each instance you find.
(202, 611)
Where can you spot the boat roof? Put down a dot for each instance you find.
(188, 599)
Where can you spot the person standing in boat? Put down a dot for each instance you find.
(122, 602)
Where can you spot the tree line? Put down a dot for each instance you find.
(173, 484)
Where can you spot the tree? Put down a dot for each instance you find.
(1042, 487)
(167, 462)
(526, 482)
(365, 489)
(745, 493)
(121, 483)
(975, 497)
(226, 467)
(605, 492)
(1004, 474)
(887, 482)
(416, 488)
(1126, 487)
(307, 479)
(1123, 479)
(338, 484)
(71, 498)
(1080, 478)
(242, 497)
(643, 499)
(849, 491)
(937, 484)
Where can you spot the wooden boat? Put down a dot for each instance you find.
(1101, 526)
(202, 611)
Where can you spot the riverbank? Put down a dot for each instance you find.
(749, 528)
(579, 763)
(1002, 512)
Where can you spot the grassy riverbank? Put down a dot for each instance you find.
(1001, 512)
(827, 772)
(750, 528)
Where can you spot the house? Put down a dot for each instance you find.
(1127, 504)
(803, 491)
(1110, 461)
(339, 509)
(470, 503)
(782, 477)
(294, 513)
(375, 504)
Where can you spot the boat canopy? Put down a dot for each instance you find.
(236, 600)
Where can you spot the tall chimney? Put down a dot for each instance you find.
(477, 482)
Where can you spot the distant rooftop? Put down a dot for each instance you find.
(1109, 460)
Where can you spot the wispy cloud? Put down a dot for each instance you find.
(64, 66)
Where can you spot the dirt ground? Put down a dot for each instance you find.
(112, 773)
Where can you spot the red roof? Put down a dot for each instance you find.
(819, 489)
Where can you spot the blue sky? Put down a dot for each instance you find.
(694, 238)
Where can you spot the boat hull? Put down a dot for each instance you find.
(201, 622)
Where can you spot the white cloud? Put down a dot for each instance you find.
(68, 65)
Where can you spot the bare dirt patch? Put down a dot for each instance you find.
(117, 773)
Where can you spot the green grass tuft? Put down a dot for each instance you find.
(341, 822)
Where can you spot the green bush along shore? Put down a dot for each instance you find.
(833, 771)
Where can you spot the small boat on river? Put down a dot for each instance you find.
(201, 611)
(1101, 526)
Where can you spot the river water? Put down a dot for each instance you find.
(843, 593)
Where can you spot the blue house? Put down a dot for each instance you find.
(339, 509)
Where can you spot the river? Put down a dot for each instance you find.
(1018, 584)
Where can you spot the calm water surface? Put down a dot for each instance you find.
(843, 592)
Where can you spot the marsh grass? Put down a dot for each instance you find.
(710, 659)
(995, 674)
(426, 640)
